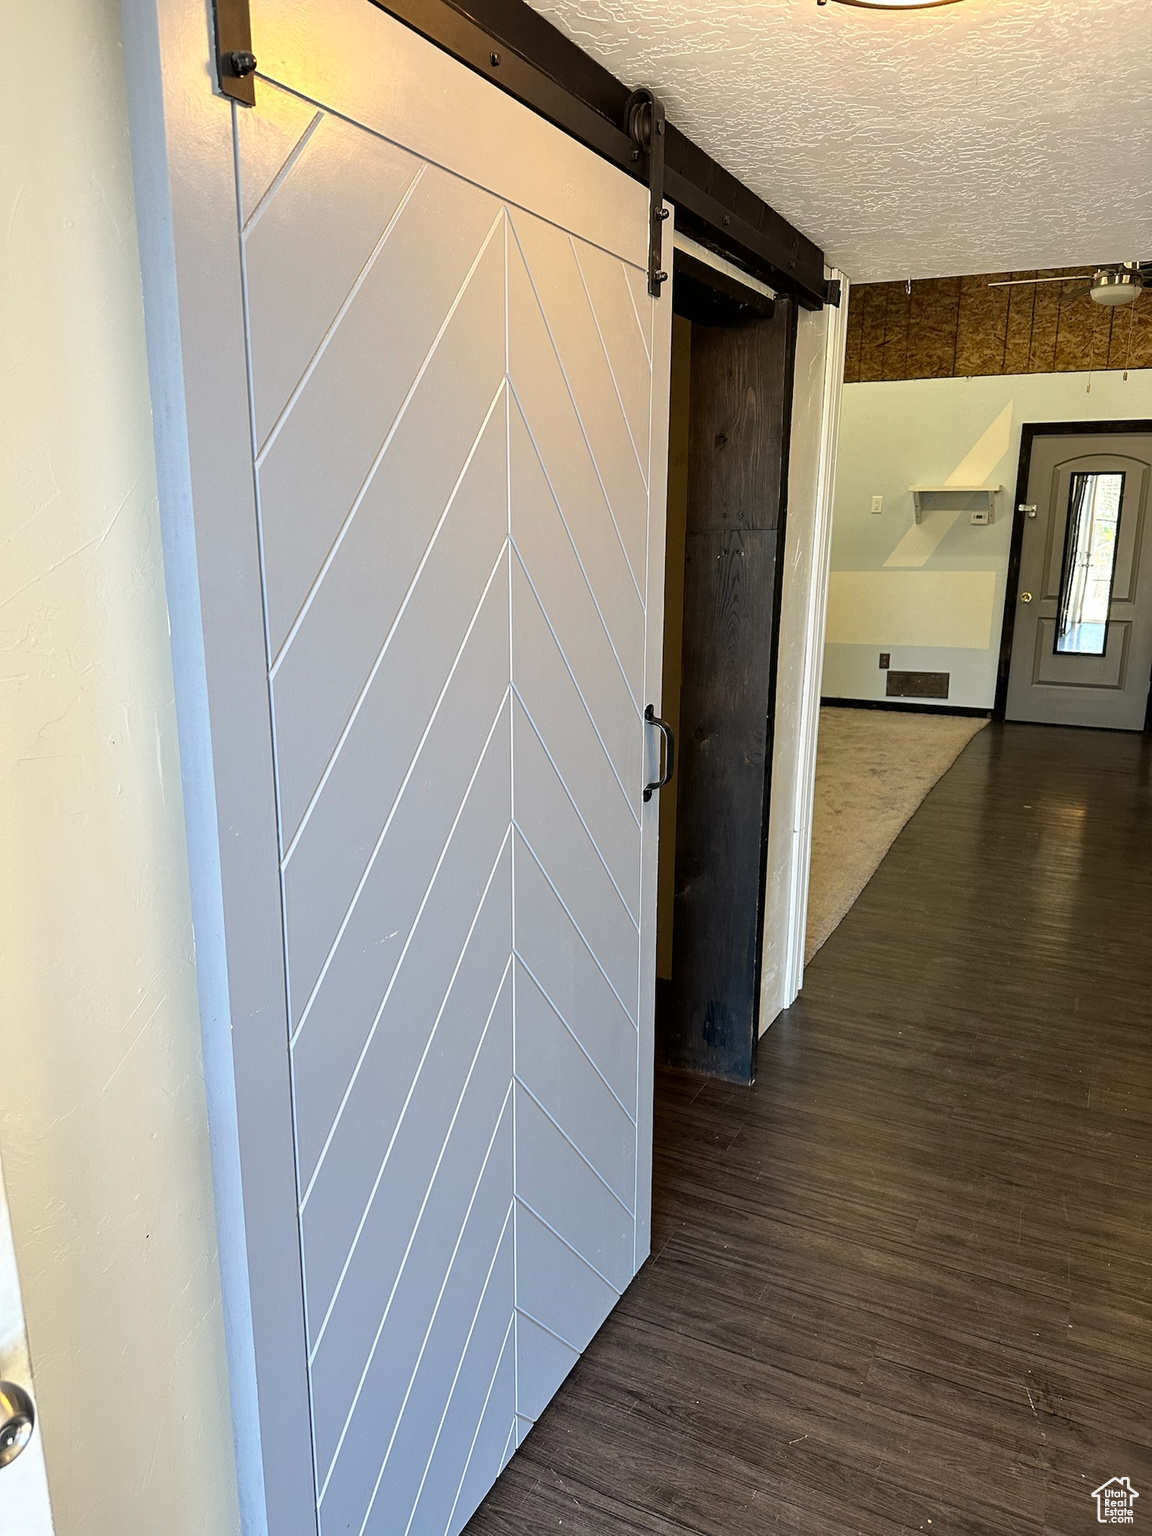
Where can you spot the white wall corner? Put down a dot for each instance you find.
(103, 1121)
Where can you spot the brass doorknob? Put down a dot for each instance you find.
(17, 1418)
(1025, 597)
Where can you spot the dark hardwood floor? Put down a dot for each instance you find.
(904, 1283)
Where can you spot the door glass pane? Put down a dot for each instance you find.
(1089, 562)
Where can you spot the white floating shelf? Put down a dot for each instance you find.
(920, 491)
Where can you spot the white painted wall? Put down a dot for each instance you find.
(817, 393)
(102, 1117)
(933, 594)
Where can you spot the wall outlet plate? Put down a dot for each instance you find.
(981, 517)
(885, 660)
(877, 505)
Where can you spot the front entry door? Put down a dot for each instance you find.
(1082, 639)
(423, 395)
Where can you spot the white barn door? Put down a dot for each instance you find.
(452, 388)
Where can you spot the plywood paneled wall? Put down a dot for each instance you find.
(957, 327)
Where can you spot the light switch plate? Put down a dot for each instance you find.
(877, 505)
(981, 517)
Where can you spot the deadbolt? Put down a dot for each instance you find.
(17, 1418)
(1025, 597)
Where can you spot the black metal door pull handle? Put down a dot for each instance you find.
(669, 750)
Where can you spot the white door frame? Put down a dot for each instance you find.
(186, 214)
(817, 389)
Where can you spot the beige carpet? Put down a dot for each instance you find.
(873, 768)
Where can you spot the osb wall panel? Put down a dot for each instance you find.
(954, 327)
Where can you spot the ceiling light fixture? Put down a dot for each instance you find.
(892, 5)
(1107, 285)
(1122, 287)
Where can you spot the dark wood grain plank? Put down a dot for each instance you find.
(740, 384)
(740, 388)
(709, 1018)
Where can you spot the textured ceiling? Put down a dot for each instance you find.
(984, 136)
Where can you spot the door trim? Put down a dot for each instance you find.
(807, 554)
(1029, 432)
(771, 725)
(184, 175)
(661, 401)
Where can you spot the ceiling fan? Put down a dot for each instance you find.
(1121, 283)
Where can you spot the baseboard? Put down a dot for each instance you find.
(908, 707)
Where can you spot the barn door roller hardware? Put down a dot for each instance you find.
(646, 128)
(235, 61)
(521, 52)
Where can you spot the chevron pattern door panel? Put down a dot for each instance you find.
(451, 413)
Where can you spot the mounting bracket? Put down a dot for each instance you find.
(644, 119)
(235, 61)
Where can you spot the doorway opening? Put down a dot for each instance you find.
(943, 377)
(733, 347)
(1076, 647)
